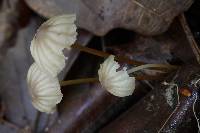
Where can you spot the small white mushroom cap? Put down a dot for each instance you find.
(115, 81)
(44, 90)
(52, 37)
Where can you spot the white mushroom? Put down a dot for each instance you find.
(115, 81)
(52, 37)
(44, 90)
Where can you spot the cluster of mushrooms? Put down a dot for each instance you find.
(47, 46)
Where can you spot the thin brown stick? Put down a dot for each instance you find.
(118, 58)
(178, 104)
(190, 37)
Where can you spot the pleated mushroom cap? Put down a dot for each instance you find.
(115, 81)
(44, 90)
(52, 37)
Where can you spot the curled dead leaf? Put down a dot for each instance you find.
(148, 17)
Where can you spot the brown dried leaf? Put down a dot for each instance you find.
(169, 47)
(148, 17)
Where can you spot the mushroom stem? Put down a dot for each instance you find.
(120, 58)
(93, 80)
(104, 54)
(78, 81)
(134, 69)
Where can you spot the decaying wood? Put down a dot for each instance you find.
(152, 112)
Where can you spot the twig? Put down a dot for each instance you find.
(171, 85)
(195, 115)
(193, 107)
(190, 37)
